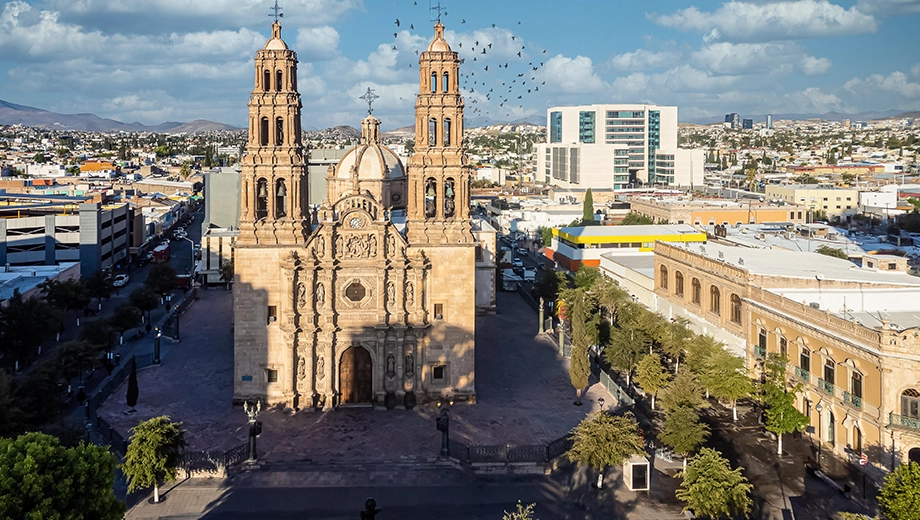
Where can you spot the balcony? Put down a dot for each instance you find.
(901, 421)
(852, 400)
(802, 374)
(760, 351)
(825, 386)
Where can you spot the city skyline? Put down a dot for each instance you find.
(166, 60)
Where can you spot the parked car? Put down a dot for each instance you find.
(522, 251)
(517, 262)
(121, 280)
(144, 260)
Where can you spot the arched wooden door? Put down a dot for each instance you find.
(356, 372)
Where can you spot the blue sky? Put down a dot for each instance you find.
(158, 60)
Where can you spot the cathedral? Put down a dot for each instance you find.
(370, 298)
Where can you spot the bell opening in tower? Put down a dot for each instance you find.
(280, 199)
(432, 132)
(261, 199)
(449, 197)
(431, 197)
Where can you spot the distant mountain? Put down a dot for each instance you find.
(342, 132)
(827, 116)
(13, 114)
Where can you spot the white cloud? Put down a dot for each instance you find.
(745, 58)
(571, 75)
(317, 43)
(642, 59)
(770, 21)
(915, 70)
(813, 99)
(499, 44)
(811, 66)
(889, 7)
(895, 83)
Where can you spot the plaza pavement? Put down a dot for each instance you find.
(523, 392)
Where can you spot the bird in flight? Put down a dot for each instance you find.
(412, 26)
(463, 20)
(397, 22)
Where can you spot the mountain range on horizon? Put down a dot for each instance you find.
(12, 114)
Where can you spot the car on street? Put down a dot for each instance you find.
(522, 251)
(517, 262)
(144, 260)
(121, 280)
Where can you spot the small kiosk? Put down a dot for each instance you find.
(636, 473)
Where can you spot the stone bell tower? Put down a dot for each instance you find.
(439, 172)
(274, 180)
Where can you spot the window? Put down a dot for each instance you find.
(437, 373)
(272, 314)
(696, 291)
(263, 131)
(856, 384)
(432, 132)
(279, 131)
(479, 253)
(831, 428)
(555, 127)
(805, 360)
(266, 80)
(664, 277)
(679, 284)
(261, 199)
(449, 197)
(784, 347)
(439, 311)
(431, 197)
(445, 86)
(829, 367)
(762, 338)
(446, 131)
(586, 127)
(434, 82)
(857, 440)
(279, 80)
(280, 199)
(271, 375)
(355, 292)
(715, 300)
(910, 403)
(736, 313)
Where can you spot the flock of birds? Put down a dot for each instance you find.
(492, 78)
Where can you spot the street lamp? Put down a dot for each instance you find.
(443, 425)
(255, 427)
(192, 254)
(819, 408)
(176, 317)
(156, 346)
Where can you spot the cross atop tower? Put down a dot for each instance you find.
(369, 98)
(437, 8)
(277, 11)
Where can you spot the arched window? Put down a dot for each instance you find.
(431, 197)
(432, 132)
(280, 199)
(434, 82)
(736, 308)
(805, 361)
(446, 136)
(856, 381)
(266, 80)
(715, 300)
(279, 80)
(279, 131)
(449, 198)
(293, 78)
(829, 373)
(663, 277)
(910, 403)
(261, 199)
(679, 284)
(263, 131)
(696, 291)
(445, 86)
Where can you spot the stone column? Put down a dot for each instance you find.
(330, 374)
(400, 369)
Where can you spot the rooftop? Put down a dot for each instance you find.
(25, 278)
(657, 230)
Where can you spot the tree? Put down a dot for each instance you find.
(726, 377)
(25, 323)
(684, 391)
(651, 376)
(96, 333)
(683, 431)
(125, 317)
(711, 488)
(12, 417)
(133, 390)
(587, 210)
(73, 358)
(162, 278)
(99, 286)
(584, 334)
(523, 512)
(69, 295)
(144, 299)
(603, 439)
(185, 170)
(623, 352)
(831, 251)
(39, 478)
(783, 417)
(675, 336)
(226, 273)
(586, 276)
(546, 234)
(635, 219)
(154, 454)
(900, 495)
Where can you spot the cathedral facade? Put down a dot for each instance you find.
(369, 299)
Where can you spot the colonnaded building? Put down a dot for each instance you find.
(371, 298)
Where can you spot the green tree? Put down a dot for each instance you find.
(635, 219)
(684, 391)
(98, 286)
(12, 417)
(523, 512)
(39, 479)
(712, 489)
(586, 276)
(587, 210)
(726, 378)
(154, 454)
(831, 251)
(73, 357)
(39, 158)
(624, 352)
(185, 170)
(584, 334)
(900, 495)
(226, 273)
(651, 376)
(96, 333)
(675, 337)
(144, 299)
(782, 417)
(548, 286)
(603, 439)
(24, 324)
(546, 234)
(683, 431)
(69, 295)
(125, 317)
(162, 278)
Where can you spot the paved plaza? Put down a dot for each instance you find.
(523, 391)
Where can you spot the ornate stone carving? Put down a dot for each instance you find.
(410, 294)
(319, 248)
(372, 245)
(391, 365)
(301, 295)
(410, 366)
(320, 368)
(391, 293)
(357, 247)
(339, 245)
(301, 369)
(391, 244)
(320, 294)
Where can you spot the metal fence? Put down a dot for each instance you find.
(215, 462)
(528, 298)
(508, 453)
(607, 382)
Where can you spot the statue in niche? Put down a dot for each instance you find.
(391, 244)
(410, 294)
(320, 368)
(301, 295)
(372, 244)
(391, 292)
(410, 365)
(320, 248)
(320, 294)
(301, 368)
(391, 365)
(339, 247)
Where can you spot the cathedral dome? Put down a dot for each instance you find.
(370, 160)
(439, 44)
(276, 43)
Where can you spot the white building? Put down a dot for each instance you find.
(608, 146)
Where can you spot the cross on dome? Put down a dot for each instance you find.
(277, 11)
(369, 97)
